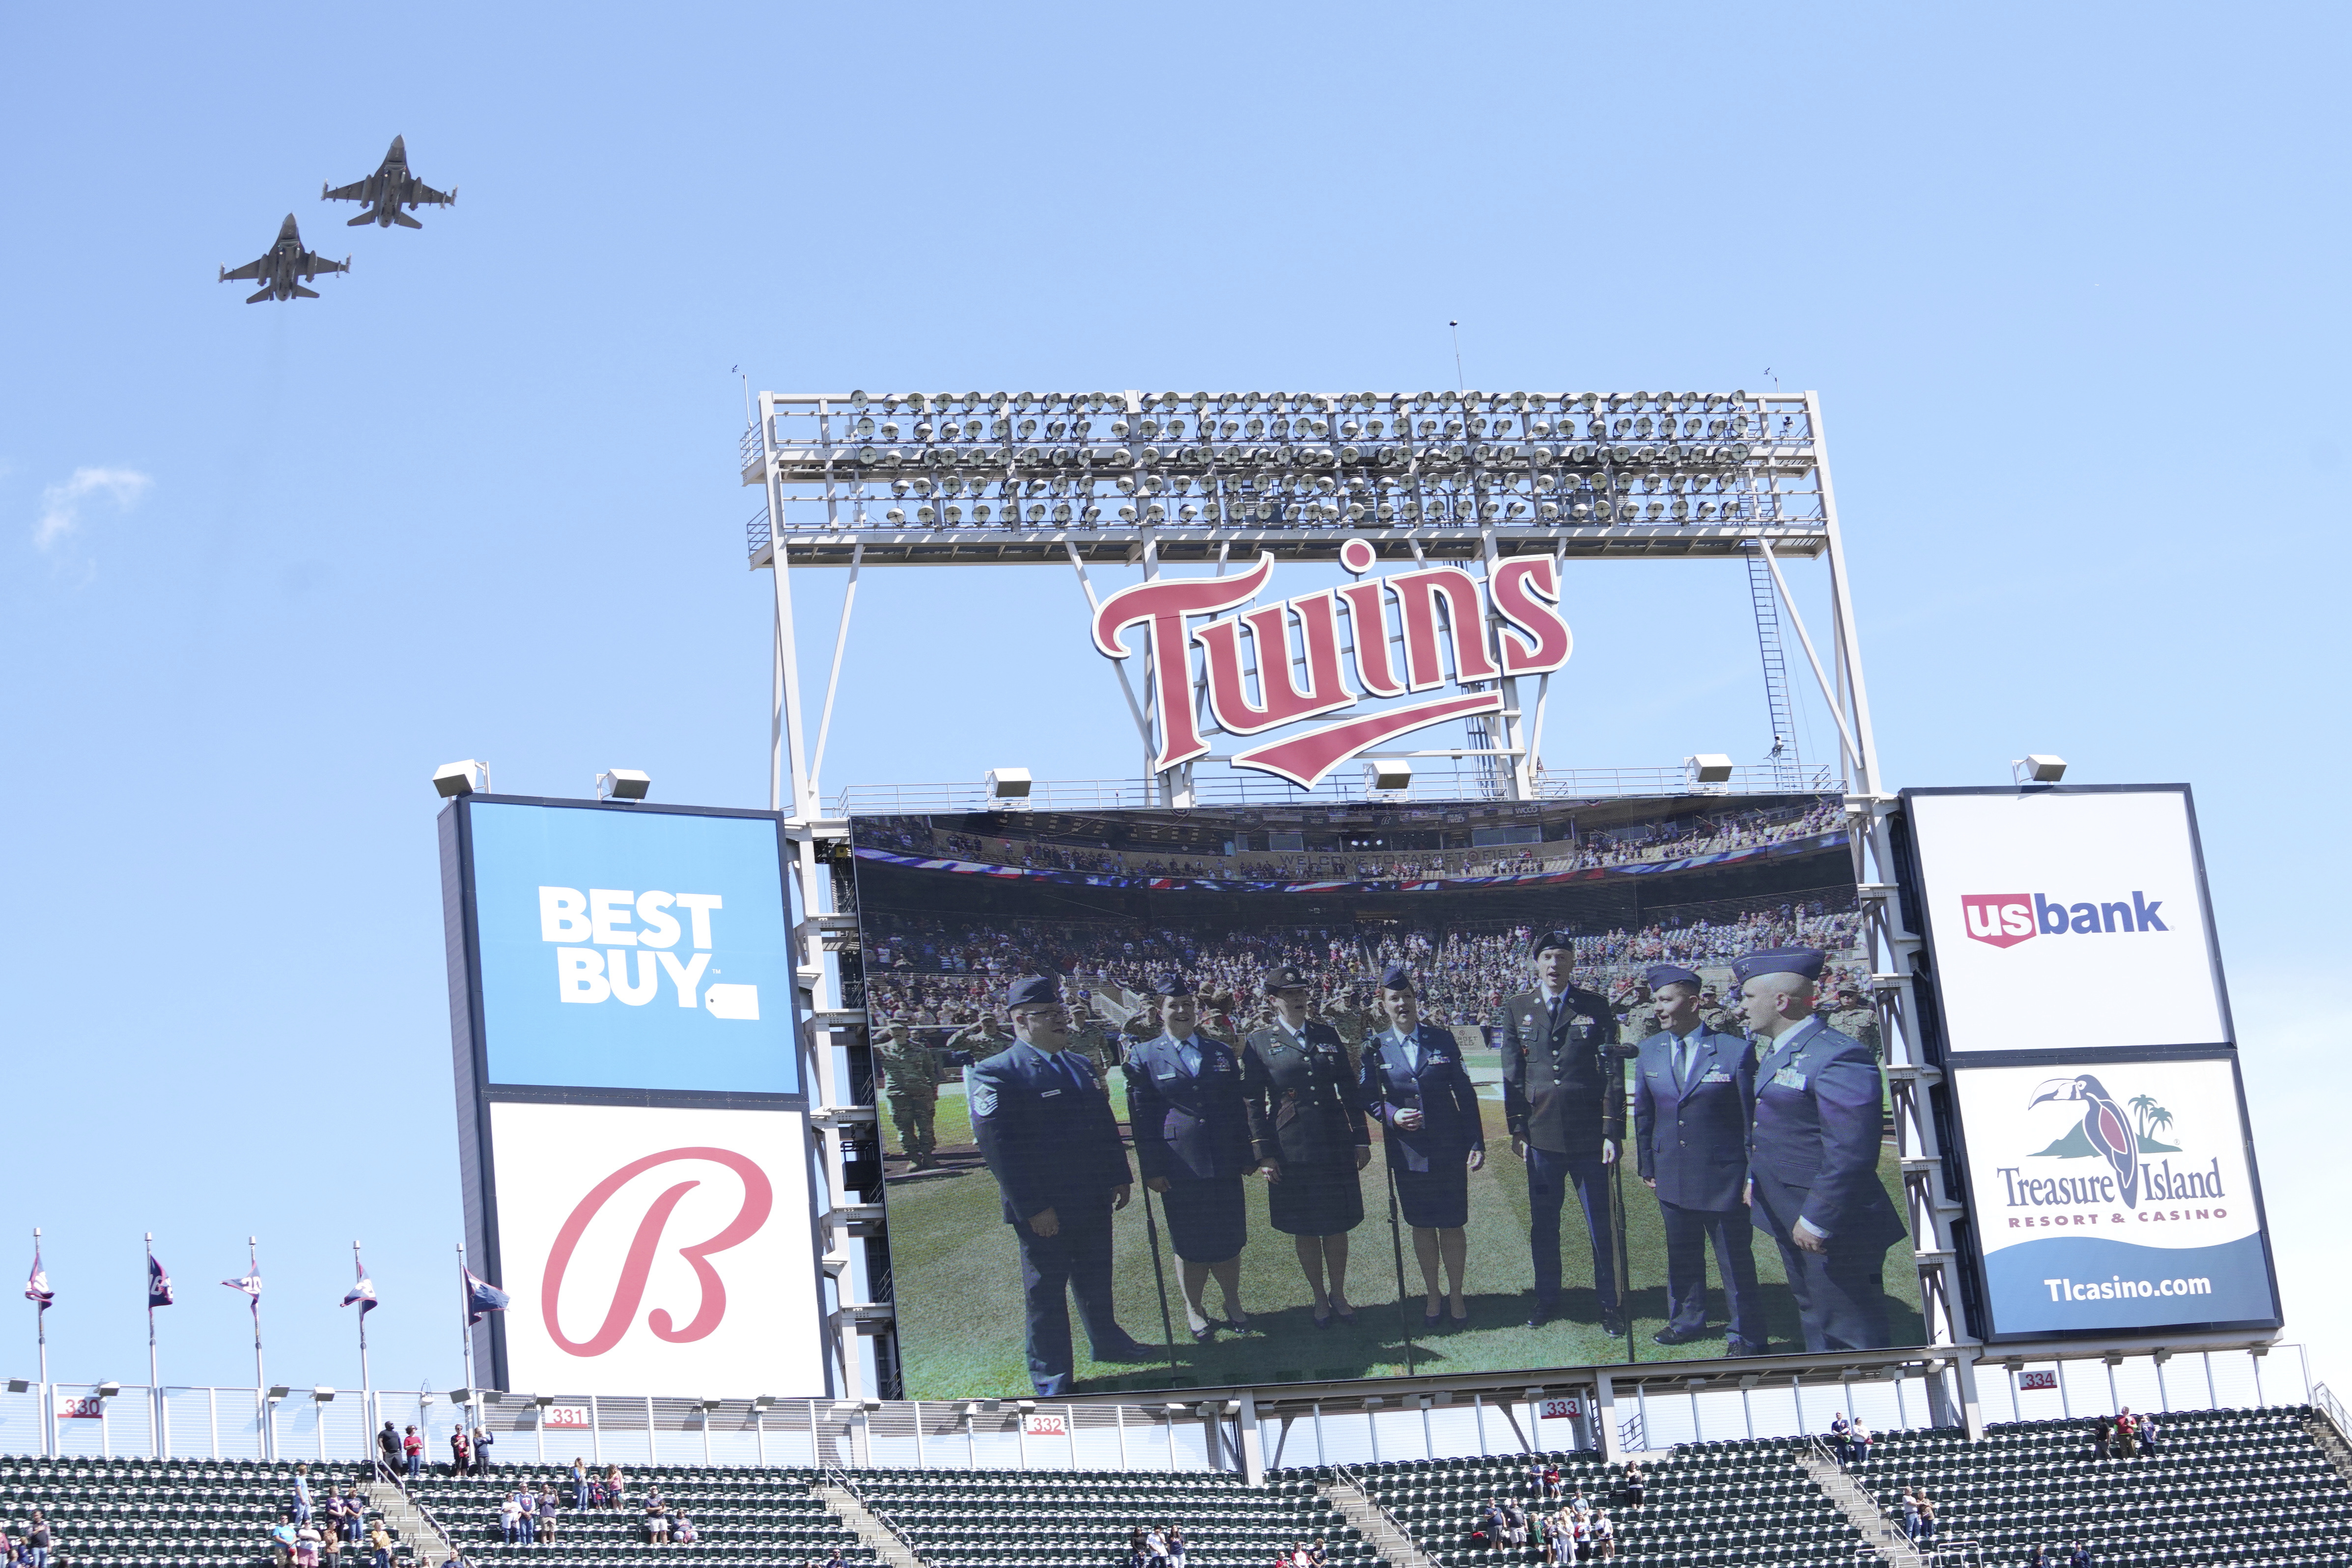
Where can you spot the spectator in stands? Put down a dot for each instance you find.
(1842, 1437)
(461, 1452)
(656, 1516)
(355, 1516)
(1137, 1557)
(2127, 1434)
(1633, 1483)
(1911, 1514)
(1927, 1534)
(614, 1492)
(412, 1452)
(482, 1441)
(379, 1542)
(2036, 1558)
(282, 1535)
(544, 1515)
(36, 1541)
(1175, 1539)
(2103, 1436)
(2080, 1557)
(1860, 1437)
(387, 1447)
(1604, 1535)
(683, 1533)
(511, 1519)
(301, 1494)
(2148, 1435)
(578, 1483)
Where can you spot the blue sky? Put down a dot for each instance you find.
(2069, 280)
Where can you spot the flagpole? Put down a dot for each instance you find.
(260, 1386)
(466, 1327)
(155, 1377)
(41, 1334)
(367, 1392)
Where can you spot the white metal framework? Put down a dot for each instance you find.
(1134, 478)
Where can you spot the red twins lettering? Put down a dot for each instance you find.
(759, 1198)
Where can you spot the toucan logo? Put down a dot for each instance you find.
(2004, 919)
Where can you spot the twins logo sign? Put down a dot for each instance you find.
(669, 1247)
(1440, 610)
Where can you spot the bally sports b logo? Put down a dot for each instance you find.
(629, 1288)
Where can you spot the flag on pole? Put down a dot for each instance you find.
(250, 1285)
(159, 1284)
(364, 1294)
(482, 1298)
(37, 1283)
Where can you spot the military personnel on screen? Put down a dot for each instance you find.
(1813, 1184)
(1564, 1101)
(911, 1074)
(1043, 1124)
(1093, 1037)
(1694, 1100)
(1192, 1139)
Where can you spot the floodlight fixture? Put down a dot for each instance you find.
(2039, 767)
(1707, 768)
(1007, 784)
(278, 1391)
(763, 1402)
(1388, 774)
(19, 1385)
(623, 784)
(543, 1400)
(108, 1390)
(322, 1395)
(451, 780)
(706, 1406)
(1025, 1405)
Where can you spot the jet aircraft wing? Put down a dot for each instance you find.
(312, 265)
(421, 192)
(251, 269)
(355, 192)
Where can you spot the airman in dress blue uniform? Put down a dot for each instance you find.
(1414, 1085)
(1564, 1101)
(1192, 1138)
(1299, 1084)
(1813, 1180)
(1043, 1124)
(1693, 1104)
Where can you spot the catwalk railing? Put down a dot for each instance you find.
(1403, 1421)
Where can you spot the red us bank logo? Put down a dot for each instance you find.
(629, 1288)
(1440, 613)
(2004, 919)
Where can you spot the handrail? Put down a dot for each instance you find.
(2323, 1400)
(838, 1477)
(1390, 1521)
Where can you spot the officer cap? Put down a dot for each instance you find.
(1286, 978)
(1034, 991)
(1396, 977)
(1545, 939)
(1659, 974)
(1171, 985)
(1802, 961)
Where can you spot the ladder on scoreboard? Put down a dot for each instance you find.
(1788, 771)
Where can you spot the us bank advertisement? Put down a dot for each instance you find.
(631, 1121)
(2115, 1195)
(2068, 919)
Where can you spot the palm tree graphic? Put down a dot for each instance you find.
(2143, 1106)
(2158, 1119)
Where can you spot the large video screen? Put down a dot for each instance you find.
(2068, 919)
(2115, 1195)
(1219, 1097)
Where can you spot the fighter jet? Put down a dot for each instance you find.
(286, 261)
(389, 189)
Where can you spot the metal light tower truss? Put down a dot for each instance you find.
(853, 479)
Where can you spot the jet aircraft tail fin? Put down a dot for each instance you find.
(302, 293)
(403, 220)
(368, 216)
(255, 299)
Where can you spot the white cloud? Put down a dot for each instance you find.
(61, 503)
